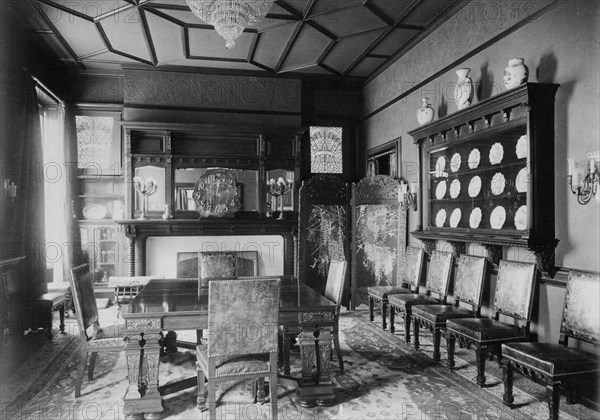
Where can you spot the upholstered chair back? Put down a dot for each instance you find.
(411, 266)
(468, 281)
(514, 289)
(335, 282)
(243, 316)
(438, 272)
(581, 313)
(84, 300)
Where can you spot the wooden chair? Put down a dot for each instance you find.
(558, 365)
(436, 290)
(468, 287)
(513, 299)
(94, 339)
(409, 276)
(216, 265)
(243, 321)
(334, 289)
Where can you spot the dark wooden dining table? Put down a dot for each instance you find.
(179, 304)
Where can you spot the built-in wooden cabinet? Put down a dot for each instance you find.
(176, 156)
(102, 242)
(488, 175)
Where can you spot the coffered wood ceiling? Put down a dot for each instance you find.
(352, 39)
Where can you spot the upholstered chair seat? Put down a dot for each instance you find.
(552, 359)
(439, 314)
(382, 292)
(485, 329)
(409, 300)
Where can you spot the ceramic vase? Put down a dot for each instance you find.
(463, 91)
(425, 113)
(167, 214)
(516, 73)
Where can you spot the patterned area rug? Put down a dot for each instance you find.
(384, 379)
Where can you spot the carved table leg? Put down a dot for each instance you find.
(507, 377)
(371, 308)
(142, 352)
(61, 313)
(392, 319)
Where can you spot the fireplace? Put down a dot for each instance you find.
(177, 256)
(155, 245)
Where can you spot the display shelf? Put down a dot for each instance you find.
(505, 147)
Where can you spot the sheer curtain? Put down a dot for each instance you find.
(62, 234)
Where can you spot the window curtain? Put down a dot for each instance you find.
(25, 226)
(62, 234)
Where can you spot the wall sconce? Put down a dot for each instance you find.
(9, 189)
(406, 198)
(583, 183)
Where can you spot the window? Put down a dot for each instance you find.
(98, 145)
(326, 150)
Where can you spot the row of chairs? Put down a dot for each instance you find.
(506, 333)
(221, 358)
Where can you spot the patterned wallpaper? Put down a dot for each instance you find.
(143, 87)
(473, 25)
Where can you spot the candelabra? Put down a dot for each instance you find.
(408, 200)
(146, 189)
(278, 190)
(10, 190)
(585, 184)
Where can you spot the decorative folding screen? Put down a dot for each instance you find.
(323, 227)
(379, 234)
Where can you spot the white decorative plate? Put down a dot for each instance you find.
(455, 162)
(455, 217)
(521, 218)
(455, 188)
(94, 211)
(498, 184)
(440, 190)
(496, 154)
(522, 146)
(440, 165)
(474, 158)
(475, 218)
(521, 180)
(498, 217)
(440, 218)
(474, 186)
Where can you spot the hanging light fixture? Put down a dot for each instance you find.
(230, 17)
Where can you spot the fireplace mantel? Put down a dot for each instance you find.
(138, 230)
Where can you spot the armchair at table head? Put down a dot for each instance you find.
(555, 364)
(94, 339)
(243, 321)
(216, 265)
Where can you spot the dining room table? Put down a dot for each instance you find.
(181, 304)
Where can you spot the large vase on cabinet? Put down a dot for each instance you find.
(516, 73)
(463, 91)
(425, 113)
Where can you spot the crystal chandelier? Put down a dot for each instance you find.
(230, 17)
